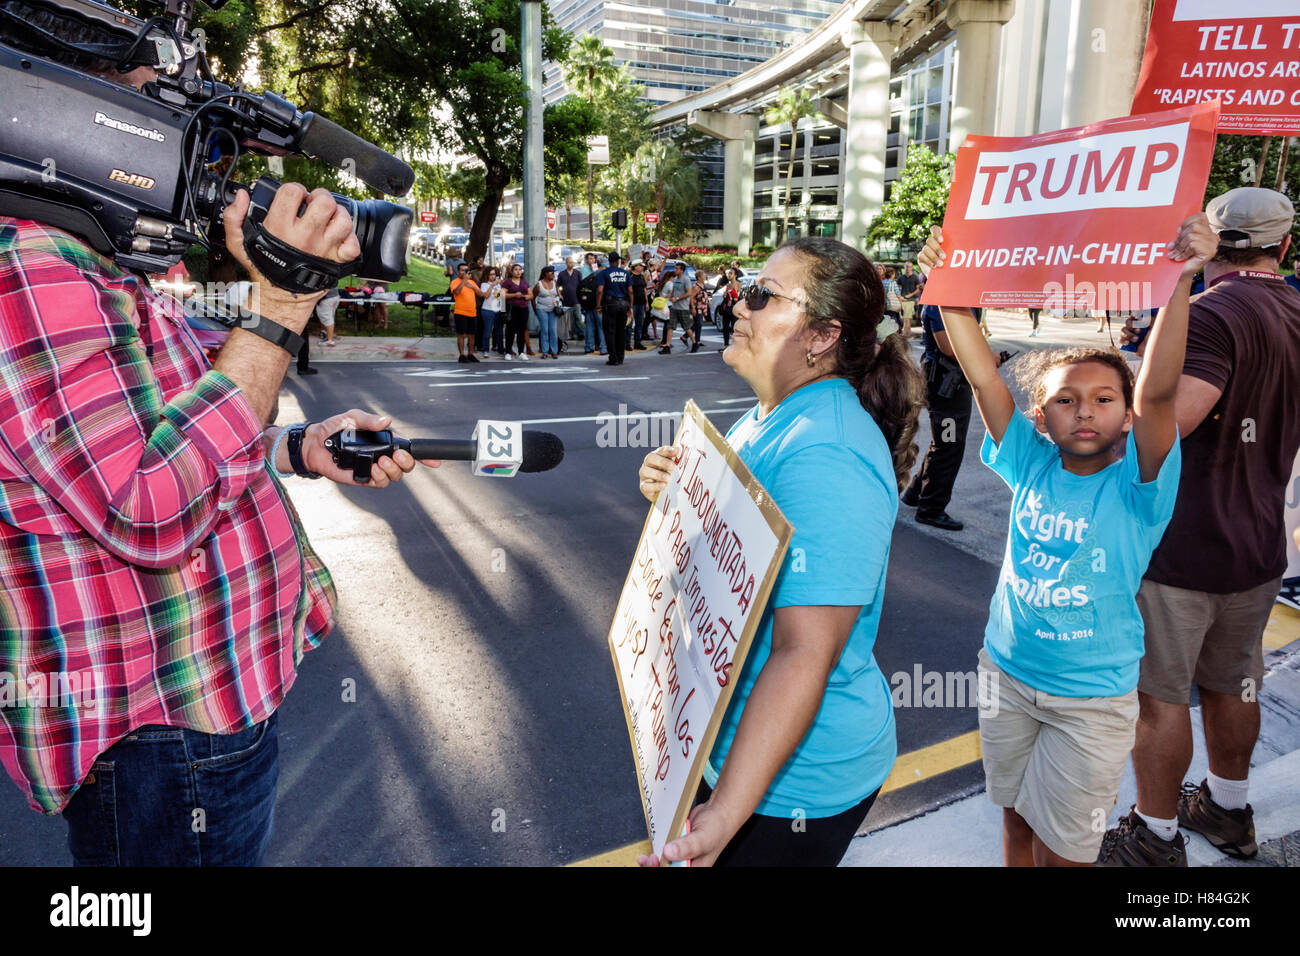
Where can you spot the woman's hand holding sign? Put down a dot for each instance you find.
(656, 468)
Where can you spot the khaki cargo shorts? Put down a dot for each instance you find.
(1214, 640)
(1057, 760)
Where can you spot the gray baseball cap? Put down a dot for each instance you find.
(1251, 217)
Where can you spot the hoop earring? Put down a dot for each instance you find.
(810, 358)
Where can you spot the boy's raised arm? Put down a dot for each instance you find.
(1155, 421)
(977, 361)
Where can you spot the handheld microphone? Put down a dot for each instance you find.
(497, 449)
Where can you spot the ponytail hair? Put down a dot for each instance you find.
(842, 287)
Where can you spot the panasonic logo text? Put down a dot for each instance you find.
(153, 134)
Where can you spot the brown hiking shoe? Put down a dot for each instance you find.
(1133, 844)
(1231, 831)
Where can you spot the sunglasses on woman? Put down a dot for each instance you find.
(756, 297)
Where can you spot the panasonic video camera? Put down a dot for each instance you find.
(143, 175)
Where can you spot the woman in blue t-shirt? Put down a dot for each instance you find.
(808, 737)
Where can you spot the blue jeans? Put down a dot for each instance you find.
(594, 328)
(489, 322)
(546, 334)
(638, 322)
(141, 803)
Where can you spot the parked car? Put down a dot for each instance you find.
(561, 252)
(421, 240)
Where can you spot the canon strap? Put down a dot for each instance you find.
(290, 268)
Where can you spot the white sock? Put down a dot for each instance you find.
(1164, 829)
(1229, 794)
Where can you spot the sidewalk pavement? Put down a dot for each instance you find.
(968, 832)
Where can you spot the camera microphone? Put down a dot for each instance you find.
(337, 146)
(497, 449)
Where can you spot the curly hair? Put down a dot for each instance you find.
(843, 288)
(1032, 369)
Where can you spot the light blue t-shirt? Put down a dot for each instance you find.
(1064, 618)
(826, 465)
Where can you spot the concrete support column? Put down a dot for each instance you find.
(978, 24)
(871, 46)
(738, 132)
(1107, 40)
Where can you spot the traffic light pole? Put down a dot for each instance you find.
(530, 12)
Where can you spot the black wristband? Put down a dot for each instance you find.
(294, 444)
(273, 332)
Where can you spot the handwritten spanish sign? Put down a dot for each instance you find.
(1245, 54)
(709, 553)
(1077, 218)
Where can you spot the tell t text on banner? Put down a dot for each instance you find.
(1078, 218)
(1245, 54)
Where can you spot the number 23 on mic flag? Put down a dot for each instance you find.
(1077, 218)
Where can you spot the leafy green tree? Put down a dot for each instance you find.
(674, 185)
(590, 71)
(1245, 161)
(917, 200)
(793, 104)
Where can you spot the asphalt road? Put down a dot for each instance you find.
(486, 726)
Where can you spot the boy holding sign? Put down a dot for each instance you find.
(1094, 477)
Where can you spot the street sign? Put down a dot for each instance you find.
(428, 217)
(652, 219)
(598, 150)
(550, 219)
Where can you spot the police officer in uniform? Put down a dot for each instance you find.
(950, 404)
(612, 301)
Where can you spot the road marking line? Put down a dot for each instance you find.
(612, 417)
(933, 760)
(910, 768)
(733, 401)
(540, 381)
(1282, 628)
(622, 856)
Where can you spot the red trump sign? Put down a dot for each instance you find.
(1245, 54)
(1078, 218)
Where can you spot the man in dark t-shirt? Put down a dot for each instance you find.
(909, 286)
(1211, 585)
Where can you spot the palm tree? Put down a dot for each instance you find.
(792, 106)
(591, 70)
(673, 178)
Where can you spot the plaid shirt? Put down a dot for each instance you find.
(152, 569)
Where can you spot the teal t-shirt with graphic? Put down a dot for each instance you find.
(1064, 618)
(825, 463)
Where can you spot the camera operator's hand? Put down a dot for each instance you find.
(324, 230)
(317, 457)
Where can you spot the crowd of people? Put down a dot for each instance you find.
(609, 305)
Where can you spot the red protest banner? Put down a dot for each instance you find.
(1078, 218)
(1246, 54)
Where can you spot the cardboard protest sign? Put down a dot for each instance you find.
(1078, 218)
(709, 553)
(1245, 54)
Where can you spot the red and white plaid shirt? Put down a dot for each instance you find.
(153, 570)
